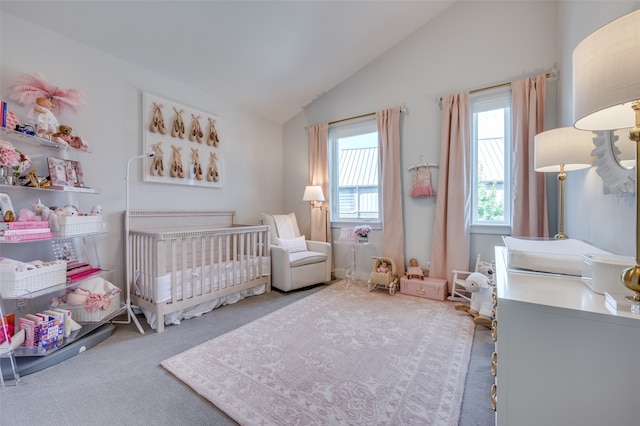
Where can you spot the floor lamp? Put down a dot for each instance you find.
(560, 151)
(313, 193)
(606, 96)
(127, 251)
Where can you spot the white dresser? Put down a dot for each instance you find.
(562, 357)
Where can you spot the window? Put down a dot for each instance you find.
(354, 164)
(491, 158)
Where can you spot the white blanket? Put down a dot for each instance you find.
(211, 279)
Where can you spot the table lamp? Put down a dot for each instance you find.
(606, 96)
(560, 151)
(313, 193)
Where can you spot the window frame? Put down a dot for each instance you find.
(344, 130)
(481, 102)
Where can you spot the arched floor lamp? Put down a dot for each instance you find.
(129, 276)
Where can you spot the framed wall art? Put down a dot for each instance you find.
(188, 144)
(65, 172)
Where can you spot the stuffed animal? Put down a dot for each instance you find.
(65, 136)
(481, 306)
(46, 214)
(26, 215)
(96, 210)
(67, 211)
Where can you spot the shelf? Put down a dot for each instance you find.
(57, 238)
(59, 189)
(87, 328)
(37, 293)
(36, 140)
(31, 364)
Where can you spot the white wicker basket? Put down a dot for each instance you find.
(80, 314)
(79, 225)
(28, 283)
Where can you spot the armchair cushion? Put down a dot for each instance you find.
(306, 258)
(294, 245)
(287, 229)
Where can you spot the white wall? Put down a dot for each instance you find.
(111, 123)
(606, 221)
(472, 45)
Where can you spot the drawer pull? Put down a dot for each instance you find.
(494, 330)
(494, 357)
(494, 368)
(494, 397)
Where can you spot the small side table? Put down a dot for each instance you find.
(350, 276)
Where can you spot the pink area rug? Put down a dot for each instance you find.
(338, 357)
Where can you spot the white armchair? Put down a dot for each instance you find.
(295, 261)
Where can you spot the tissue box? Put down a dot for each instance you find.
(602, 272)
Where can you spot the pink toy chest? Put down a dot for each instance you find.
(429, 287)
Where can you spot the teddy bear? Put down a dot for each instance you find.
(481, 305)
(65, 136)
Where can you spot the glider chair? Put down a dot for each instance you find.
(295, 262)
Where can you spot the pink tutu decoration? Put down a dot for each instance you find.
(422, 183)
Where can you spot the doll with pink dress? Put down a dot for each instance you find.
(383, 267)
(414, 271)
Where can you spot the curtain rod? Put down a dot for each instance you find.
(496, 86)
(352, 118)
(403, 108)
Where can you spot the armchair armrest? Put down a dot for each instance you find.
(279, 258)
(319, 246)
(325, 248)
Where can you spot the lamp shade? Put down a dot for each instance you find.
(606, 75)
(564, 146)
(313, 193)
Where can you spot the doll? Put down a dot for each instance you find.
(414, 271)
(37, 92)
(42, 115)
(383, 267)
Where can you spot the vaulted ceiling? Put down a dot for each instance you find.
(271, 58)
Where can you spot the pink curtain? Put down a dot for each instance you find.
(450, 244)
(529, 190)
(319, 175)
(392, 225)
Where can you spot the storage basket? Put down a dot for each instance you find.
(80, 314)
(79, 225)
(28, 283)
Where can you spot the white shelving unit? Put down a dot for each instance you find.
(22, 360)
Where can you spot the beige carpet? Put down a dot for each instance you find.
(338, 357)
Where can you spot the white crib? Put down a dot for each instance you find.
(185, 263)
